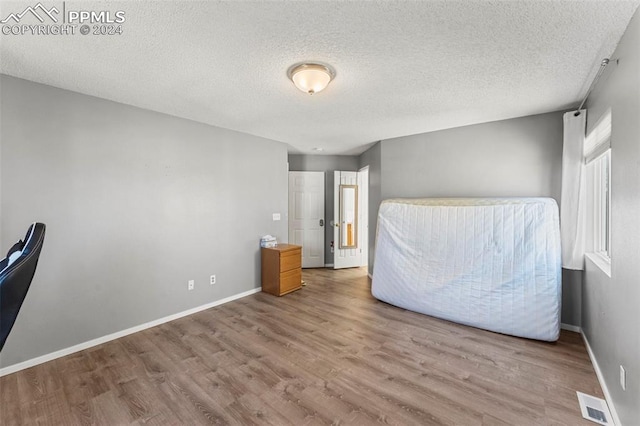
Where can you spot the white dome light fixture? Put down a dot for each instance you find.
(311, 77)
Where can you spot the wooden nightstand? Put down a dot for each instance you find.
(281, 269)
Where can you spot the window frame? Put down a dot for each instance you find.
(602, 205)
(597, 157)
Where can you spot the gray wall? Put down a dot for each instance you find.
(372, 158)
(611, 306)
(516, 157)
(572, 297)
(327, 164)
(136, 203)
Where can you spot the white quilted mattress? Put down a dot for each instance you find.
(489, 263)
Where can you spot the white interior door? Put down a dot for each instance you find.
(306, 216)
(343, 257)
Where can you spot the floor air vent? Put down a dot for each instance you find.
(595, 409)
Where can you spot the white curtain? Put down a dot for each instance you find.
(573, 201)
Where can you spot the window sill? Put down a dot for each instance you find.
(601, 262)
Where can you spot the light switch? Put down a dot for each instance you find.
(276, 216)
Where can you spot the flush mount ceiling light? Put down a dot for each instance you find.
(311, 77)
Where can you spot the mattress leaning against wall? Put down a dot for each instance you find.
(491, 263)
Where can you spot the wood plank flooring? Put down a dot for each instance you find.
(327, 354)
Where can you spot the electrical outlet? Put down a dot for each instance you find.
(191, 284)
(276, 216)
(212, 280)
(623, 378)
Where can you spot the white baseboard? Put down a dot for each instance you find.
(603, 384)
(328, 265)
(100, 340)
(570, 327)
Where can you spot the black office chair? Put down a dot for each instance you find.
(16, 273)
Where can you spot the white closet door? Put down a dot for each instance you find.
(306, 216)
(347, 257)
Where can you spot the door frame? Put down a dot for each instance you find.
(363, 213)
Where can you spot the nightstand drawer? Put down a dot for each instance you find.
(290, 260)
(291, 280)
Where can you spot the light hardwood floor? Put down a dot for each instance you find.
(327, 354)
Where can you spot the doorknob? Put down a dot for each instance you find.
(321, 222)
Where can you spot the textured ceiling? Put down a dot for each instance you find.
(402, 67)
